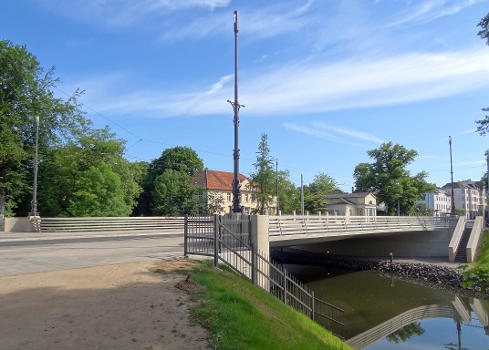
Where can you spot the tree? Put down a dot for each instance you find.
(26, 91)
(180, 159)
(89, 177)
(483, 124)
(315, 192)
(406, 332)
(173, 194)
(388, 178)
(422, 210)
(264, 177)
(288, 193)
(214, 203)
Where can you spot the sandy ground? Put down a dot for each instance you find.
(122, 306)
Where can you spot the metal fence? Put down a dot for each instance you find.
(228, 240)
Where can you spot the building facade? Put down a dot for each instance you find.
(467, 197)
(440, 201)
(352, 204)
(217, 191)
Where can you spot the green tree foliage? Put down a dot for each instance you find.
(173, 194)
(388, 178)
(89, 177)
(263, 177)
(288, 193)
(26, 91)
(422, 210)
(405, 333)
(213, 204)
(179, 160)
(483, 124)
(315, 192)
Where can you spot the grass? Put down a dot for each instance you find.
(241, 316)
(483, 257)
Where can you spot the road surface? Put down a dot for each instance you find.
(57, 254)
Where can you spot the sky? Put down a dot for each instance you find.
(326, 80)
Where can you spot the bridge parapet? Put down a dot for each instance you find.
(296, 225)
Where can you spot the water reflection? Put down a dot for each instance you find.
(386, 312)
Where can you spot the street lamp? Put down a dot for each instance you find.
(236, 208)
(34, 186)
(452, 211)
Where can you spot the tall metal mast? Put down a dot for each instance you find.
(236, 208)
(36, 162)
(452, 211)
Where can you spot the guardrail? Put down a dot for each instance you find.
(475, 239)
(293, 225)
(456, 238)
(106, 224)
(382, 330)
(227, 240)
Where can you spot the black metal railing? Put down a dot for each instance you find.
(228, 240)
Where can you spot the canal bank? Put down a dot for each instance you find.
(432, 272)
(388, 312)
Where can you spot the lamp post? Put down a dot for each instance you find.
(452, 211)
(34, 186)
(276, 185)
(236, 208)
(302, 195)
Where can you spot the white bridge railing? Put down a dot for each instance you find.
(294, 224)
(107, 224)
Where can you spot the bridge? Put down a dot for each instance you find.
(404, 236)
(293, 230)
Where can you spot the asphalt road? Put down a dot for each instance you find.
(50, 255)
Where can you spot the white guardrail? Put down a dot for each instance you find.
(456, 238)
(105, 224)
(475, 239)
(294, 224)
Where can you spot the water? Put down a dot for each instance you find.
(384, 312)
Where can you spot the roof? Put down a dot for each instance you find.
(217, 180)
(460, 184)
(349, 195)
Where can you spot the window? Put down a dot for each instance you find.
(246, 198)
(229, 197)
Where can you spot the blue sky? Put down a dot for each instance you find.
(326, 80)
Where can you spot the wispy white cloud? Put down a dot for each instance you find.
(300, 88)
(469, 131)
(311, 130)
(121, 13)
(329, 132)
(348, 132)
(259, 23)
(430, 10)
(474, 162)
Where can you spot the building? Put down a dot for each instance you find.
(352, 204)
(218, 188)
(466, 197)
(440, 201)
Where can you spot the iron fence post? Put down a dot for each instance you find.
(185, 233)
(253, 264)
(285, 286)
(312, 305)
(216, 238)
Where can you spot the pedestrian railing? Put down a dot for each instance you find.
(227, 239)
(107, 224)
(283, 225)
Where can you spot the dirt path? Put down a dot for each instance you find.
(122, 306)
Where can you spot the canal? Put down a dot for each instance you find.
(384, 312)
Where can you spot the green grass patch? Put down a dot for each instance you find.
(240, 315)
(483, 257)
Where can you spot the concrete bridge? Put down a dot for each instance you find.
(378, 236)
